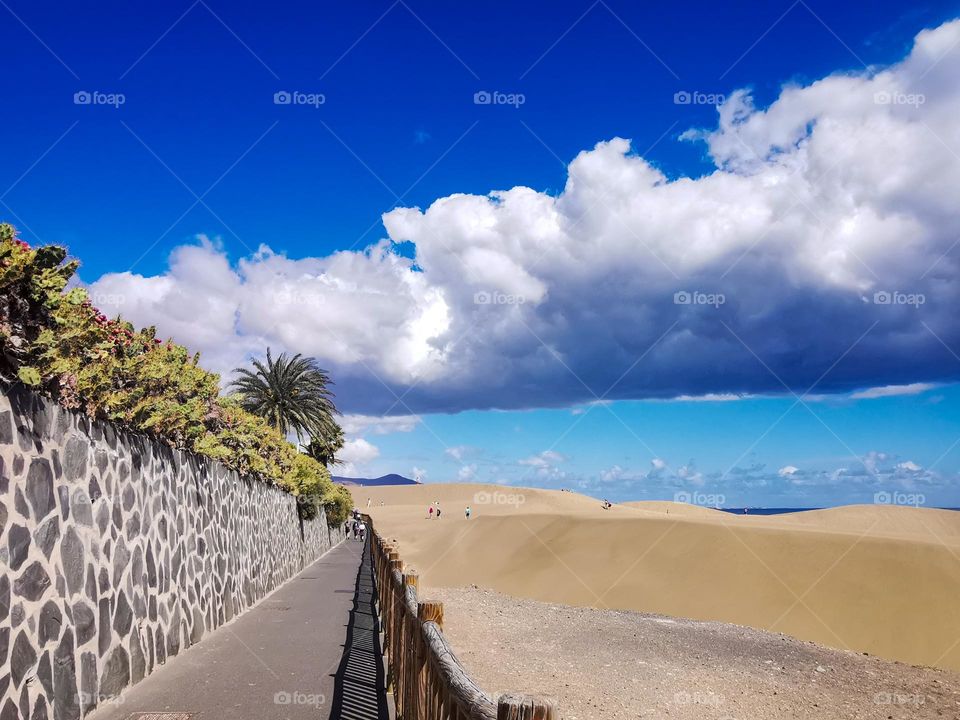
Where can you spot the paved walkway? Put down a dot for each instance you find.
(309, 650)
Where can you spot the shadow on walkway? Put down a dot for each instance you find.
(359, 685)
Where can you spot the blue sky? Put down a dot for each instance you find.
(184, 140)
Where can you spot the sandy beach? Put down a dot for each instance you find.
(867, 579)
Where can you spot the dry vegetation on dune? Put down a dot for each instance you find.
(882, 580)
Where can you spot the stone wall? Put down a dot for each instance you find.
(118, 552)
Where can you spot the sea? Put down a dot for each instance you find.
(781, 511)
(765, 511)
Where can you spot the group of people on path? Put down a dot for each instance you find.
(356, 526)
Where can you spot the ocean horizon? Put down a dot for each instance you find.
(784, 511)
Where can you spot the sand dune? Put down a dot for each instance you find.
(883, 580)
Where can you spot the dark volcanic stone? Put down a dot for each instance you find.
(22, 658)
(84, 621)
(104, 610)
(39, 710)
(3, 517)
(136, 568)
(117, 516)
(88, 681)
(6, 428)
(57, 468)
(66, 704)
(90, 586)
(161, 648)
(196, 632)
(103, 517)
(139, 607)
(123, 616)
(72, 555)
(32, 583)
(4, 645)
(45, 673)
(9, 710)
(121, 557)
(138, 663)
(133, 525)
(173, 634)
(177, 559)
(104, 580)
(129, 496)
(20, 503)
(51, 620)
(101, 459)
(150, 653)
(82, 508)
(94, 490)
(4, 596)
(46, 535)
(64, 494)
(151, 568)
(19, 542)
(17, 615)
(116, 674)
(75, 458)
(110, 435)
(40, 488)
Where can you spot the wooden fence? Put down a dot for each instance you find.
(427, 679)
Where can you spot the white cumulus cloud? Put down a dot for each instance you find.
(827, 230)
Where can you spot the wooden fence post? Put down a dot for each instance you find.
(430, 612)
(522, 707)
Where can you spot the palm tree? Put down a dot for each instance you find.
(291, 393)
(324, 448)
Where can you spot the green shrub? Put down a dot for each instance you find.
(54, 340)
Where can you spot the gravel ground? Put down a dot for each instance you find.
(625, 665)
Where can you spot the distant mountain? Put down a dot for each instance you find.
(391, 479)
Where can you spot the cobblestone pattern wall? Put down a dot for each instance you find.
(118, 552)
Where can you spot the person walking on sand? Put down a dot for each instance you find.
(438, 511)
(467, 512)
(430, 512)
